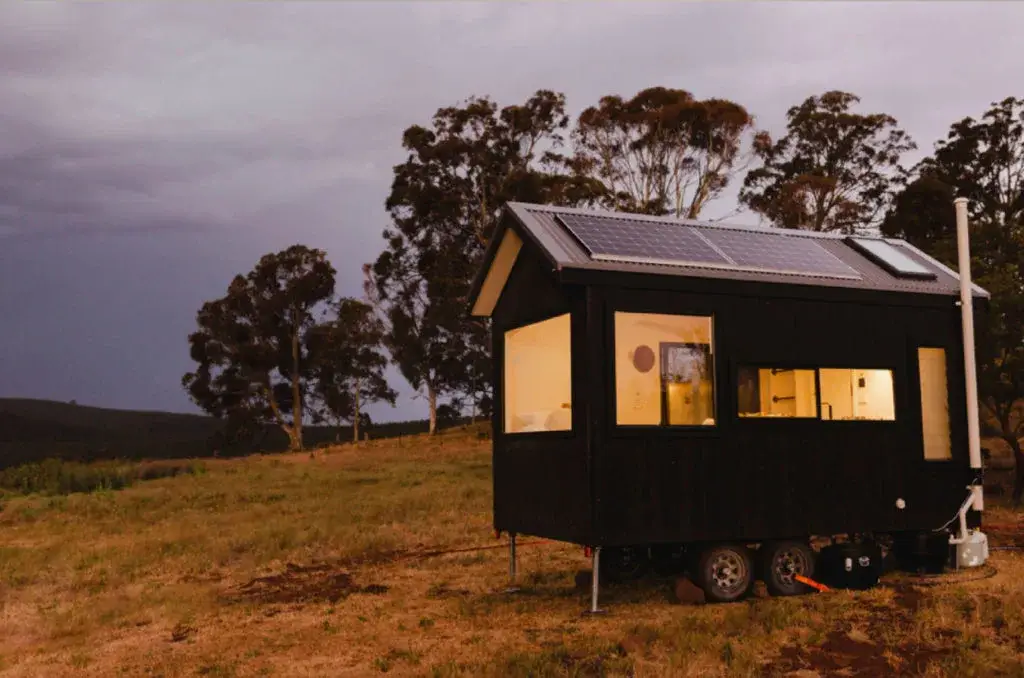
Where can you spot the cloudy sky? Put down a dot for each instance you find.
(148, 152)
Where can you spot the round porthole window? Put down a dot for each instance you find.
(643, 358)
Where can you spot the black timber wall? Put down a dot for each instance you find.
(759, 479)
(541, 480)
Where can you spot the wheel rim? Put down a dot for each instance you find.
(728, 572)
(787, 564)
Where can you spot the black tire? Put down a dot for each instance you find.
(725, 572)
(624, 563)
(781, 561)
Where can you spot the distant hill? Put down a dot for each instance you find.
(31, 430)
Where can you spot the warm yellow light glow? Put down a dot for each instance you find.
(931, 363)
(857, 394)
(767, 392)
(538, 377)
(498, 274)
(679, 392)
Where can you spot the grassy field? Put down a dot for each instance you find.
(295, 566)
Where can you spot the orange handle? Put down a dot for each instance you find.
(810, 582)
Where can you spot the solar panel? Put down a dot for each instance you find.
(674, 244)
(652, 241)
(779, 253)
(891, 258)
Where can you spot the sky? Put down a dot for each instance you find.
(149, 152)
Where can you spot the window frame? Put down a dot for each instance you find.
(501, 410)
(897, 419)
(658, 430)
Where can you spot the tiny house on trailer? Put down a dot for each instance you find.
(731, 392)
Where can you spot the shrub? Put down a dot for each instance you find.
(58, 477)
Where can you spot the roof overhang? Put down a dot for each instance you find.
(661, 278)
(500, 262)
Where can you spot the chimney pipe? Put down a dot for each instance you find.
(967, 322)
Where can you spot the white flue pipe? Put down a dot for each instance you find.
(967, 321)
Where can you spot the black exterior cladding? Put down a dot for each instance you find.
(748, 479)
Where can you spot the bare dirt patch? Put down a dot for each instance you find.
(849, 654)
(858, 651)
(320, 583)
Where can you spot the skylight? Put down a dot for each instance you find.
(891, 258)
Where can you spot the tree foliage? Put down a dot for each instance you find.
(833, 170)
(662, 151)
(254, 360)
(350, 363)
(444, 204)
(982, 160)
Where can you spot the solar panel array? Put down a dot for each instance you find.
(602, 236)
(777, 252)
(658, 242)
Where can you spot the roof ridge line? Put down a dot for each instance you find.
(692, 223)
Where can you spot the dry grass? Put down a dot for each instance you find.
(291, 566)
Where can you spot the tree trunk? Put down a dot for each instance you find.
(472, 412)
(355, 418)
(1018, 463)
(432, 400)
(296, 438)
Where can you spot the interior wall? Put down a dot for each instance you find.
(873, 399)
(796, 391)
(638, 393)
(858, 394)
(538, 377)
(837, 391)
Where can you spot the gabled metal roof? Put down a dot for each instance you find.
(538, 225)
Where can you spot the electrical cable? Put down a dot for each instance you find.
(978, 478)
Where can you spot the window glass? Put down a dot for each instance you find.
(857, 394)
(664, 370)
(538, 378)
(777, 392)
(931, 363)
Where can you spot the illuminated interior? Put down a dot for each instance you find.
(664, 372)
(846, 394)
(538, 377)
(931, 363)
(775, 392)
(857, 394)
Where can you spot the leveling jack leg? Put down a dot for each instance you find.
(512, 588)
(594, 579)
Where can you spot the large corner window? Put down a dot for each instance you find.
(538, 377)
(664, 370)
(831, 394)
(777, 392)
(931, 365)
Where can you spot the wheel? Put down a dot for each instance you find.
(781, 562)
(624, 563)
(725, 572)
